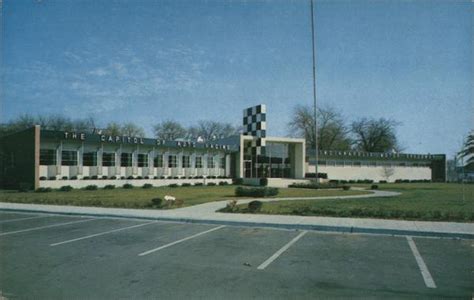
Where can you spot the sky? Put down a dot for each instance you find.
(147, 61)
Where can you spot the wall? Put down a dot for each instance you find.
(373, 173)
(20, 159)
(56, 184)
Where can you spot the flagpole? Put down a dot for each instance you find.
(314, 95)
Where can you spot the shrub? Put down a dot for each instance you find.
(147, 186)
(91, 187)
(146, 177)
(162, 177)
(374, 187)
(64, 178)
(156, 177)
(223, 183)
(351, 181)
(113, 177)
(95, 177)
(104, 177)
(128, 186)
(176, 177)
(139, 177)
(238, 181)
(198, 184)
(255, 206)
(263, 181)
(52, 178)
(109, 187)
(334, 181)
(199, 177)
(211, 184)
(173, 185)
(398, 181)
(66, 188)
(130, 177)
(44, 190)
(382, 181)
(123, 177)
(346, 187)
(255, 192)
(73, 178)
(211, 177)
(186, 184)
(85, 178)
(157, 202)
(43, 178)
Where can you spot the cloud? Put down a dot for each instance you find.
(110, 82)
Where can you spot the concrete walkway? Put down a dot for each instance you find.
(206, 213)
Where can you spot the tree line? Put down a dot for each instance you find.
(334, 132)
(167, 130)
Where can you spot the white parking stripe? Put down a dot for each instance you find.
(279, 252)
(21, 219)
(429, 282)
(43, 227)
(180, 241)
(102, 233)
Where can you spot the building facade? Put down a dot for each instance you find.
(44, 158)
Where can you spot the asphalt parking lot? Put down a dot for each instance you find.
(64, 257)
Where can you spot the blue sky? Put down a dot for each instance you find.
(147, 61)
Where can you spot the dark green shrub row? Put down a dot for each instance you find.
(109, 187)
(66, 188)
(128, 186)
(238, 181)
(147, 186)
(44, 190)
(255, 191)
(412, 181)
(223, 183)
(314, 185)
(313, 175)
(91, 187)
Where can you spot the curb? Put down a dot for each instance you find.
(321, 228)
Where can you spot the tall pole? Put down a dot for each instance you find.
(314, 96)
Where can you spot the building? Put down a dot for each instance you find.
(43, 158)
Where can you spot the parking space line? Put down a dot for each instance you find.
(102, 233)
(429, 282)
(21, 219)
(180, 241)
(43, 227)
(279, 252)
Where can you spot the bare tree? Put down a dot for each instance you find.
(388, 172)
(131, 129)
(372, 135)
(210, 130)
(332, 132)
(169, 130)
(113, 128)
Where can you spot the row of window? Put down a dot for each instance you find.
(370, 163)
(69, 158)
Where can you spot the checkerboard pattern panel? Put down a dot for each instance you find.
(255, 124)
(254, 121)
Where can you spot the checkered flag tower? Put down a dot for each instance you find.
(255, 124)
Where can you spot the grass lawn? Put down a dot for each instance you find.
(141, 198)
(418, 201)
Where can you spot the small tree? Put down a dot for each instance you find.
(387, 172)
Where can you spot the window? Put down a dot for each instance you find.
(172, 162)
(186, 162)
(143, 160)
(47, 157)
(222, 163)
(158, 161)
(108, 159)
(210, 162)
(126, 160)
(69, 158)
(198, 162)
(89, 159)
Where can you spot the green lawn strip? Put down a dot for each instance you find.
(430, 201)
(141, 198)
